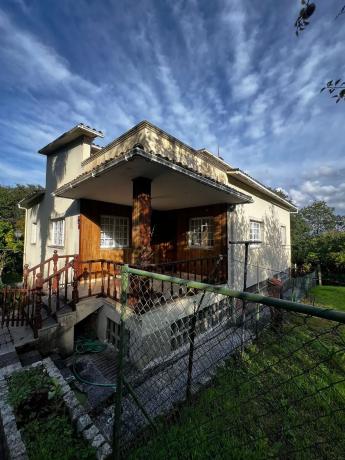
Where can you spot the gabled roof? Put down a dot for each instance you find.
(69, 136)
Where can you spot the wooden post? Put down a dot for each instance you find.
(108, 279)
(75, 293)
(25, 276)
(102, 278)
(55, 269)
(141, 240)
(141, 217)
(38, 305)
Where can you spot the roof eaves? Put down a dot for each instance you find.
(79, 130)
(108, 164)
(263, 188)
(27, 200)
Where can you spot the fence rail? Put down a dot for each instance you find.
(277, 374)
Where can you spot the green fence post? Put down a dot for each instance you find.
(119, 382)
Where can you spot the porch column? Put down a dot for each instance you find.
(141, 218)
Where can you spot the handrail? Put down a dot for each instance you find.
(55, 258)
(58, 272)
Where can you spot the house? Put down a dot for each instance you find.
(148, 190)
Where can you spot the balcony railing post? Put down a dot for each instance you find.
(37, 321)
(75, 292)
(55, 269)
(25, 276)
(108, 279)
(102, 278)
(90, 285)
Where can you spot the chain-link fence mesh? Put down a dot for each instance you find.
(206, 375)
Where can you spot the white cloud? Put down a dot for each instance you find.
(231, 75)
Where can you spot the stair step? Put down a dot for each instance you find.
(8, 358)
(30, 357)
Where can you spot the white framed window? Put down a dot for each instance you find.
(255, 230)
(58, 232)
(201, 232)
(33, 239)
(114, 232)
(283, 235)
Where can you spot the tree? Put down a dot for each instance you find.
(319, 217)
(328, 248)
(10, 247)
(9, 199)
(12, 220)
(318, 235)
(300, 236)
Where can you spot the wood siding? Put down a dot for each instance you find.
(218, 212)
(90, 231)
(169, 232)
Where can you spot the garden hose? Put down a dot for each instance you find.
(86, 345)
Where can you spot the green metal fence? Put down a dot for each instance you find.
(208, 372)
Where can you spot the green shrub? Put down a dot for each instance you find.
(41, 414)
(23, 383)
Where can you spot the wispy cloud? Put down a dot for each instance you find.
(223, 73)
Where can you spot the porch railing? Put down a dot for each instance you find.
(200, 269)
(21, 307)
(46, 268)
(65, 279)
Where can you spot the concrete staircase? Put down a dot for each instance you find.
(57, 330)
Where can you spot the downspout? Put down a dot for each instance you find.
(25, 232)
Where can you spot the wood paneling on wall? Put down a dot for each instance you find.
(90, 233)
(218, 212)
(170, 232)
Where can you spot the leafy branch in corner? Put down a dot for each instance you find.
(333, 87)
(342, 11)
(301, 22)
(305, 13)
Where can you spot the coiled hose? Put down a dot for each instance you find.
(86, 345)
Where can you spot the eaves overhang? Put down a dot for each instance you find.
(69, 136)
(30, 200)
(66, 190)
(241, 176)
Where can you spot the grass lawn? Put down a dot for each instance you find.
(284, 400)
(330, 296)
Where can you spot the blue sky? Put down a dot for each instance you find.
(229, 73)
